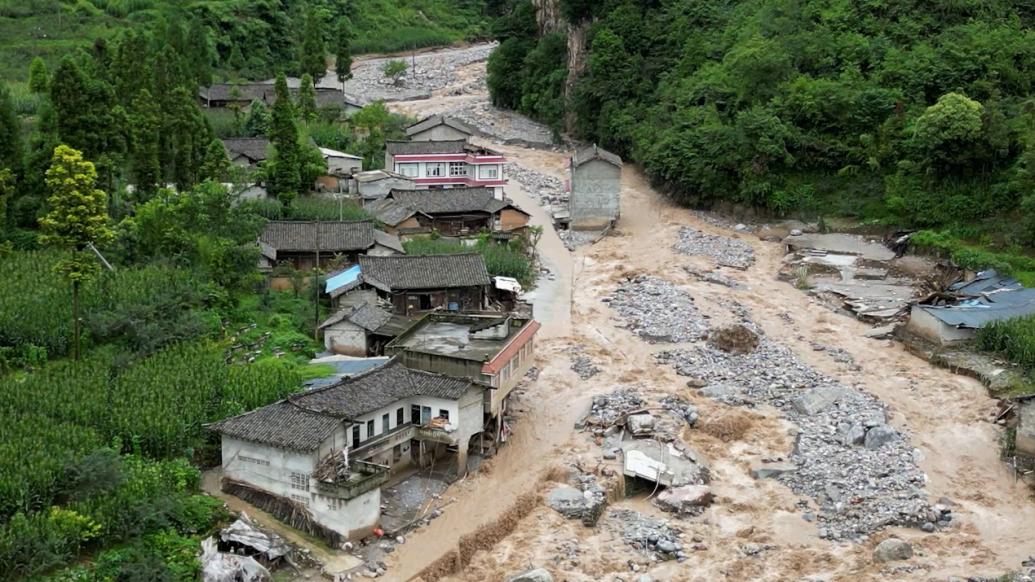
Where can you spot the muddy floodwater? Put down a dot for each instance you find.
(755, 529)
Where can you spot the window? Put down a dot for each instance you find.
(457, 169)
(436, 169)
(334, 504)
(370, 428)
(425, 414)
(385, 427)
(415, 413)
(443, 413)
(300, 481)
(409, 170)
(253, 460)
(400, 416)
(303, 499)
(489, 172)
(355, 435)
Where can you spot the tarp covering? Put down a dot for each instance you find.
(220, 567)
(345, 278)
(242, 532)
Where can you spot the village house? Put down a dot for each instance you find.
(440, 128)
(495, 349)
(247, 152)
(340, 169)
(306, 245)
(596, 188)
(372, 185)
(447, 164)
(453, 212)
(412, 284)
(361, 330)
(955, 316)
(242, 95)
(327, 451)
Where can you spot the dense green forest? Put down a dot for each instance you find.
(901, 113)
(132, 311)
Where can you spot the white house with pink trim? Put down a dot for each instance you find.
(447, 164)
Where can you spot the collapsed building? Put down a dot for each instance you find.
(955, 315)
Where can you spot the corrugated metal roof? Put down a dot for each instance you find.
(980, 311)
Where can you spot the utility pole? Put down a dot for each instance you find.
(316, 287)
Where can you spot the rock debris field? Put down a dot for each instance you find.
(725, 251)
(547, 190)
(503, 125)
(658, 311)
(425, 73)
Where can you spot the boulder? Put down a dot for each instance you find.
(567, 501)
(735, 339)
(852, 434)
(879, 436)
(684, 499)
(696, 383)
(537, 575)
(892, 549)
(663, 464)
(771, 470)
(640, 425)
(817, 399)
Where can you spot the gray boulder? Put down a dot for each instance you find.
(817, 399)
(537, 575)
(879, 436)
(852, 434)
(684, 499)
(771, 470)
(567, 501)
(640, 425)
(892, 549)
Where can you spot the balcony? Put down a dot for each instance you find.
(362, 477)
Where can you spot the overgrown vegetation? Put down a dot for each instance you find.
(1014, 339)
(506, 260)
(913, 114)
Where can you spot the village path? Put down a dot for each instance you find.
(948, 418)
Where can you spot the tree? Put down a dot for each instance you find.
(313, 59)
(307, 99)
(948, 131)
(282, 169)
(144, 128)
(10, 134)
(78, 219)
(343, 51)
(216, 164)
(394, 70)
(39, 79)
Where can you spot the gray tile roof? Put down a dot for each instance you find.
(281, 424)
(436, 120)
(389, 211)
(370, 391)
(389, 241)
(365, 315)
(253, 148)
(592, 153)
(236, 92)
(397, 148)
(448, 201)
(331, 237)
(424, 272)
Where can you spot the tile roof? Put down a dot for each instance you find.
(448, 201)
(331, 237)
(390, 212)
(593, 152)
(367, 392)
(281, 424)
(424, 271)
(389, 241)
(436, 120)
(402, 148)
(236, 92)
(253, 148)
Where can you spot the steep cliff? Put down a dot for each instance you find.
(550, 20)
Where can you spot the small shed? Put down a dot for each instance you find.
(596, 189)
(356, 331)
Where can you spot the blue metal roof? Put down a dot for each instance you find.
(985, 282)
(345, 278)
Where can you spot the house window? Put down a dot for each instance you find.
(443, 413)
(355, 435)
(436, 169)
(370, 428)
(408, 170)
(400, 416)
(334, 504)
(488, 172)
(415, 413)
(384, 423)
(303, 499)
(457, 169)
(300, 481)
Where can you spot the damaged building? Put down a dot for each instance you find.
(596, 189)
(956, 315)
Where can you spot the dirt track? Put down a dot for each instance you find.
(946, 416)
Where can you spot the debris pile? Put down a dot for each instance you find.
(609, 409)
(425, 73)
(681, 409)
(735, 339)
(712, 277)
(860, 471)
(548, 191)
(725, 251)
(685, 500)
(582, 364)
(658, 311)
(655, 537)
(504, 126)
(585, 503)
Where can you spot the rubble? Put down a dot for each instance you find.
(537, 575)
(685, 500)
(653, 536)
(425, 74)
(712, 277)
(640, 425)
(609, 409)
(586, 505)
(735, 339)
(582, 364)
(681, 409)
(221, 567)
(892, 549)
(859, 490)
(725, 251)
(548, 191)
(663, 463)
(658, 311)
(505, 126)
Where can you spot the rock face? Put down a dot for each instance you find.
(735, 339)
(686, 499)
(892, 549)
(537, 575)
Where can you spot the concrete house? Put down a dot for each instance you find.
(440, 128)
(303, 244)
(413, 284)
(596, 188)
(361, 330)
(453, 212)
(987, 298)
(340, 168)
(495, 350)
(373, 185)
(447, 164)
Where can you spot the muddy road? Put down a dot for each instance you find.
(755, 529)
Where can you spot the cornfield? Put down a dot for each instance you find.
(1014, 339)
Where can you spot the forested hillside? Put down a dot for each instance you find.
(904, 112)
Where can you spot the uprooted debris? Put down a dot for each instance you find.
(658, 310)
(860, 471)
(217, 566)
(655, 537)
(725, 251)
